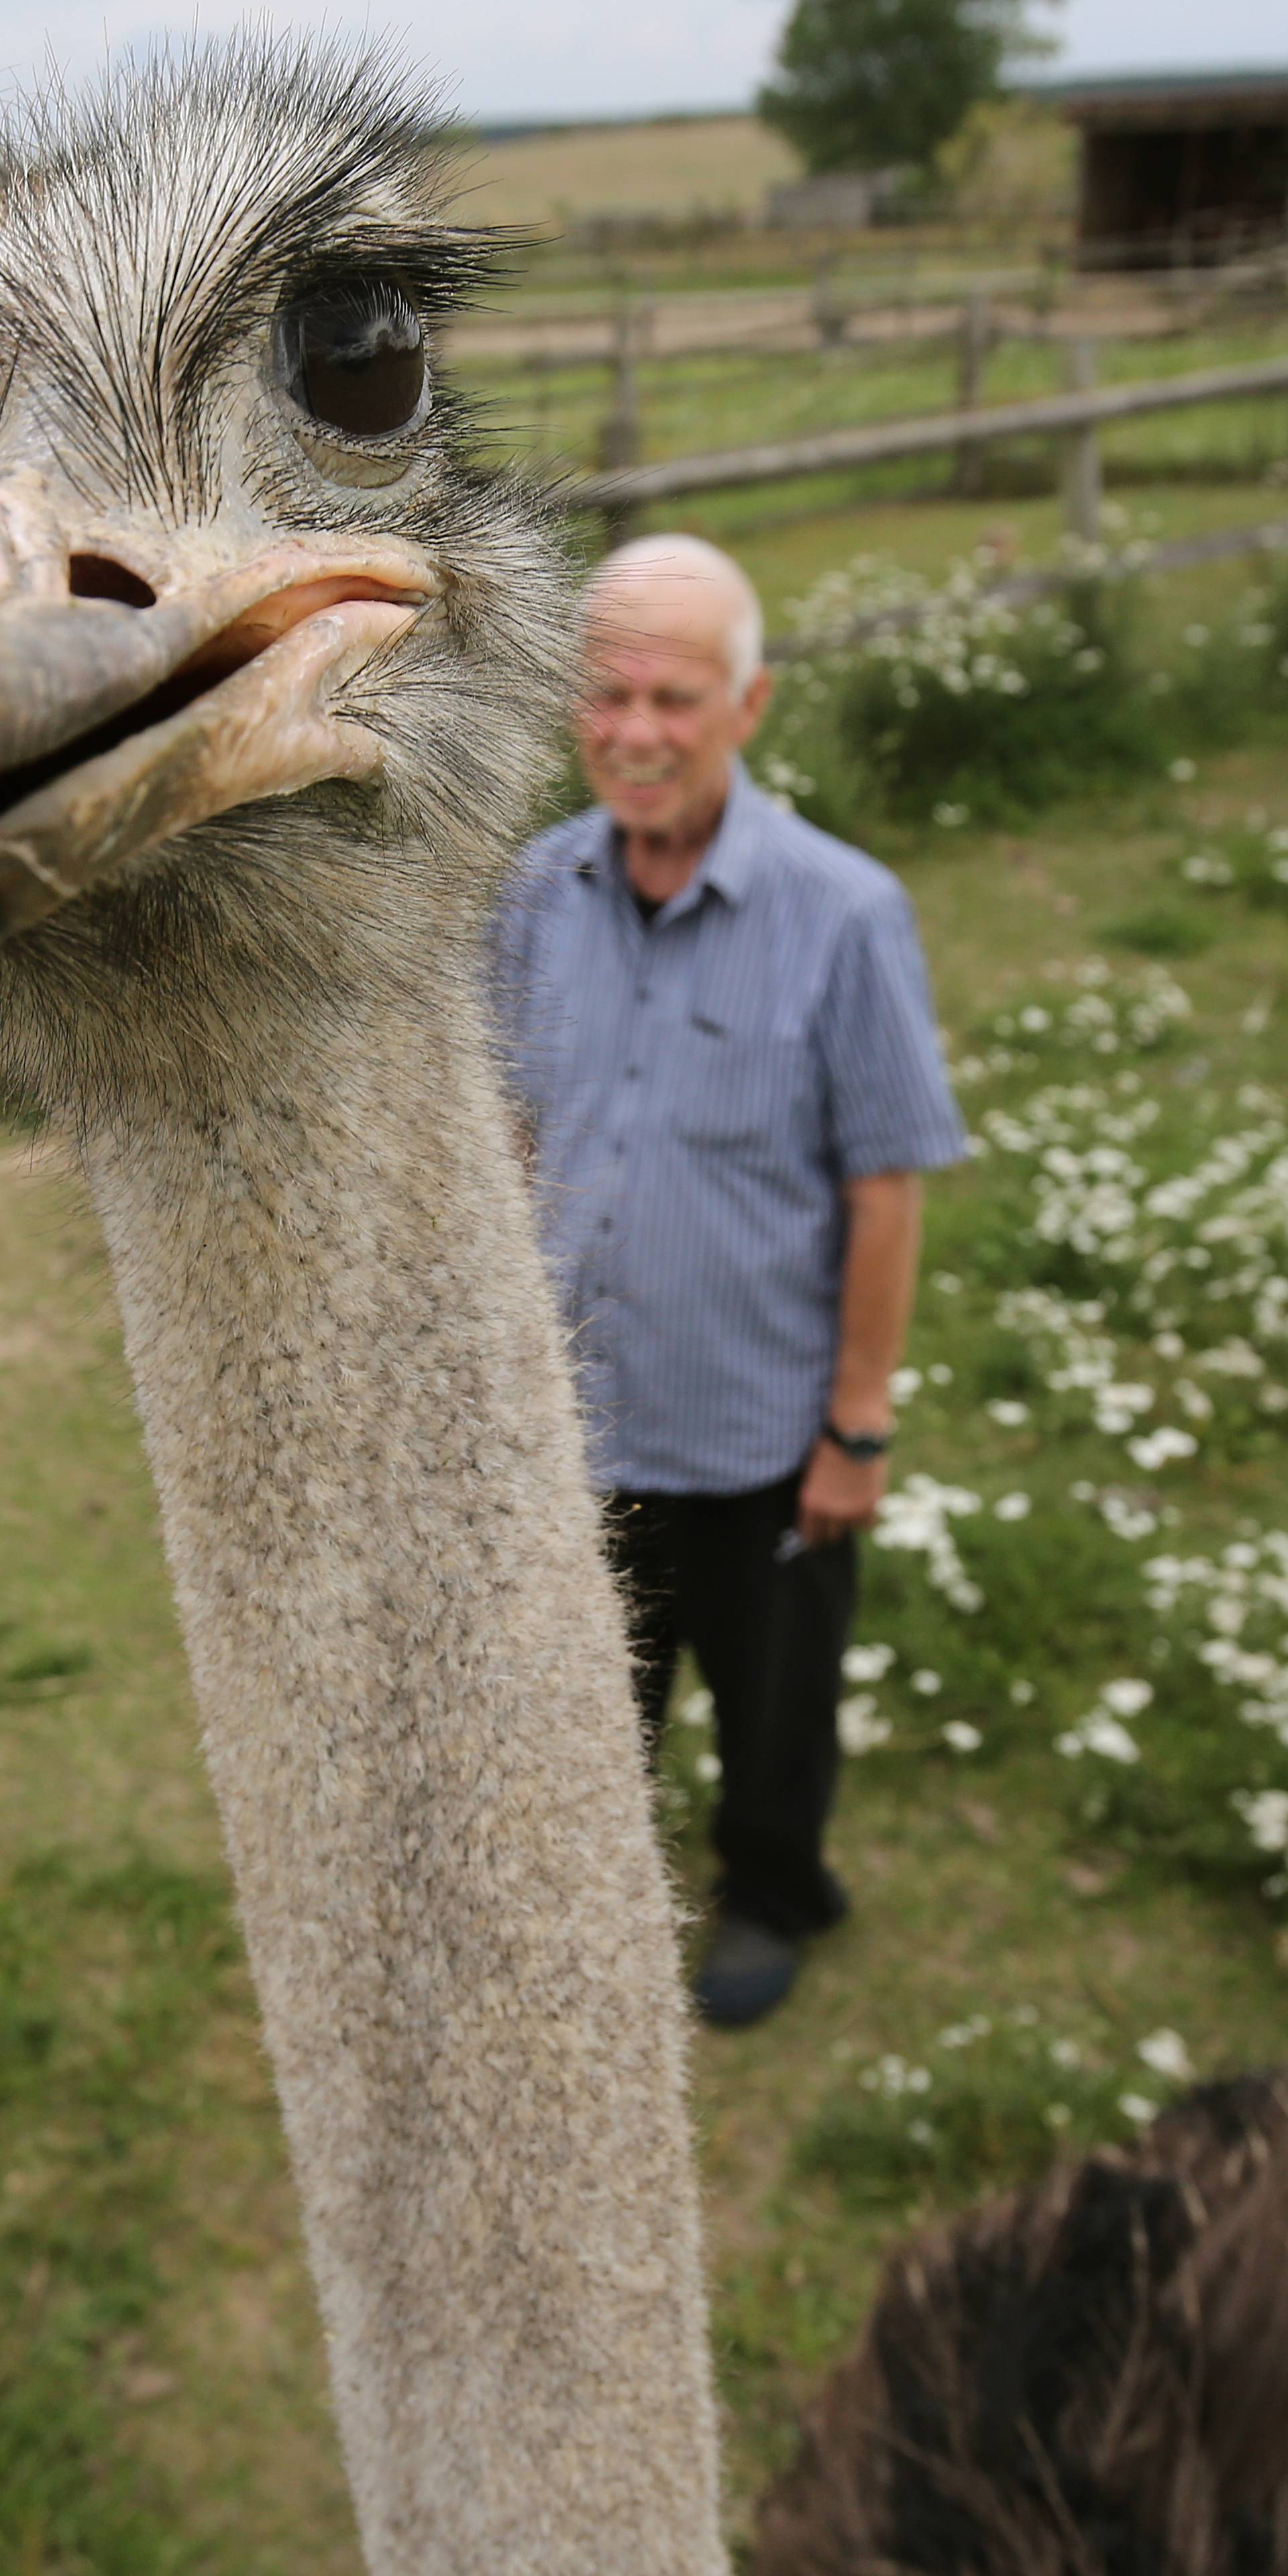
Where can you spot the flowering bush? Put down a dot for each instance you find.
(1251, 861)
(1117, 1299)
(957, 706)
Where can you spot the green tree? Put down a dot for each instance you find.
(865, 84)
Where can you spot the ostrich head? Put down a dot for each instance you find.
(263, 630)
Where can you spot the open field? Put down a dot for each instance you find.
(162, 2408)
(702, 180)
(670, 166)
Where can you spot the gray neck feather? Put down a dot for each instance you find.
(418, 1721)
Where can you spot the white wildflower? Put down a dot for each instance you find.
(696, 1709)
(866, 1663)
(1265, 1813)
(1137, 2107)
(859, 1730)
(1100, 1733)
(1154, 1448)
(1126, 1518)
(1127, 1698)
(1165, 2053)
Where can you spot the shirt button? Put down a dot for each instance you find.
(632, 1073)
(605, 1225)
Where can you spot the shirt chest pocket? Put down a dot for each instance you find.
(746, 1094)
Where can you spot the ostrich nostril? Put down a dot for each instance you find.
(99, 577)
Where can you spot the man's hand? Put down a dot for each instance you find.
(883, 1211)
(838, 1494)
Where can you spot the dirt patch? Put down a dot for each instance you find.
(21, 1342)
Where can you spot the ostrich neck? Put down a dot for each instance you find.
(417, 1717)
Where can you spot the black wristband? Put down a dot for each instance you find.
(858, 1445)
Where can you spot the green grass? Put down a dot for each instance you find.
(162, 2403)
(161, 2373)
(107, 1981)
(1162, 929)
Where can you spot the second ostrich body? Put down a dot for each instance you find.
(254, 997)
(1085, 2378)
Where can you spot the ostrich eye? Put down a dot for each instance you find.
(353, 358)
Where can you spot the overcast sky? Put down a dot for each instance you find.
(518, 58)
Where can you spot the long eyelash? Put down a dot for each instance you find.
(367, 298)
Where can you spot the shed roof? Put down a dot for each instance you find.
(1255, 96)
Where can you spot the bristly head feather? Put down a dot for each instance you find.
(151, 221)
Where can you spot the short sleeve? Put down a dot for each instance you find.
(890, 1105)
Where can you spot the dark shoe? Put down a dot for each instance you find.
(746, 1971)
(839, 1904)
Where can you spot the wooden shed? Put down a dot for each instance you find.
(1179, 168)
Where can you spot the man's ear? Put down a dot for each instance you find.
(755, 700)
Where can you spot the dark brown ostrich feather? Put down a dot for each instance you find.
(1087, 2378)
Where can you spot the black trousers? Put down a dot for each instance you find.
(768, 1633)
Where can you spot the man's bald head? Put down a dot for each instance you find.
(673, 685)
(686, 590)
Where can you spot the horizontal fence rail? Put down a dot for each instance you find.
(898, 346)
(716, 316)
(635, 487)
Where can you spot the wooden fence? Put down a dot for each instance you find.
(1075, 417)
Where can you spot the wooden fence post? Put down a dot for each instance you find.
(619, 430)
(827, 310)
(1082, 485)
(974, 342)
(540, 375)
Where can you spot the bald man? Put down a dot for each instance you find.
(719, 1026)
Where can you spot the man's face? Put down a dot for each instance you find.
(657, 716)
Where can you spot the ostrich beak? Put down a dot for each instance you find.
(121, 725)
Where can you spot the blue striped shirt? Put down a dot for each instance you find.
(699, 1089)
